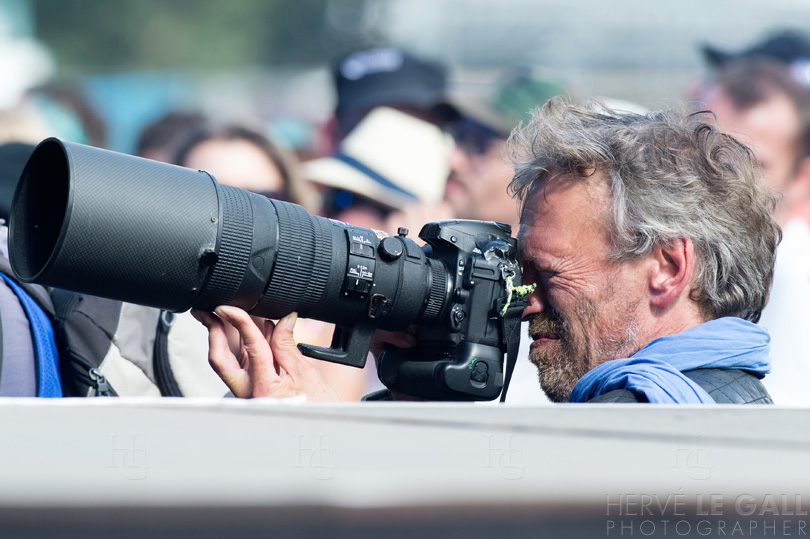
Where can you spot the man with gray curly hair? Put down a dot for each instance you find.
(652, 242)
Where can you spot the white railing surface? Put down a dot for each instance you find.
(612, 465)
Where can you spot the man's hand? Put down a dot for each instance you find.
(269, 363)
(400, 339)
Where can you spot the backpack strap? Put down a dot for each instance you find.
(48, 382)
(164, 376)
(39, 293)
(85, 326)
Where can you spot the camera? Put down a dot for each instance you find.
(127, 228)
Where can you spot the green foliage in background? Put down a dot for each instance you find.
(161, 34)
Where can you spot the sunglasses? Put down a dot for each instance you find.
(336, 201)
(471, 136)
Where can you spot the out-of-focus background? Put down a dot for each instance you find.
(134, 60)
(99, 71)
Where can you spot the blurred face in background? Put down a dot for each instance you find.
(476, 186)
(769, 128)
(353, 209)
(238, 163)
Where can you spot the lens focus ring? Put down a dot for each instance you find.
(234, 248)
(302, 264)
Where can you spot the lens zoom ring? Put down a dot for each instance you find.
(303, 263)
(438, 291)
(234, 248)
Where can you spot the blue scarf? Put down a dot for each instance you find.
(655, 370)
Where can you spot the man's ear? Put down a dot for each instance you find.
(671, 271)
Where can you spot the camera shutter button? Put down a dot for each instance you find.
(390, 248)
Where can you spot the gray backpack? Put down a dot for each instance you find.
(110, 348)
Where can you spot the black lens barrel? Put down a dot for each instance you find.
(130, 228)
(117, 226)
(305, 256)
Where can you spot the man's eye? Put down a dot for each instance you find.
(544, 276)
(529, 273)
(536, 275)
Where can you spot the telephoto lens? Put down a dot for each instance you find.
(127, 228)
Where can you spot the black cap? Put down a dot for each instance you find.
(785, 46)
(13, 157)
(387, 76)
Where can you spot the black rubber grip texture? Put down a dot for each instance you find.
(438, 291)
(303, 263)
(132, 211)
(235, 247)
(134, 227)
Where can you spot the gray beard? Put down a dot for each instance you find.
(560, 370)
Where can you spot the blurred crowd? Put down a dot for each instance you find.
(406, 144)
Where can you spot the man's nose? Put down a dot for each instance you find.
(537, 303)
